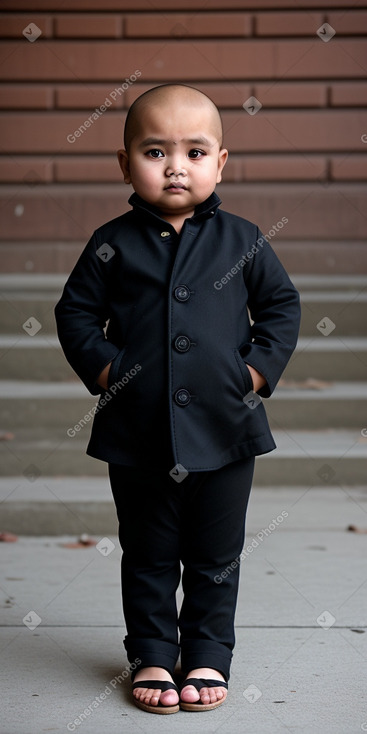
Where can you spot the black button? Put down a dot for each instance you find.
(182, 293)
(182, 397)
(182, 343)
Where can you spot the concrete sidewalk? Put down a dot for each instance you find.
(301, 655)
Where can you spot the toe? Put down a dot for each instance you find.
(212, 695)
(149, 696)
(169, 697)
(204, 695)
(154, 696)
(189, 694)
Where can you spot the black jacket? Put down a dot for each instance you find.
(178, 335)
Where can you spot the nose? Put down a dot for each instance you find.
(176, 170)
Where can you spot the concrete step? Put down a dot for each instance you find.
(24, 296)
(74, 505)
(346, 310)
(301, 457)
(308, 405)
(329, 358)
(40, 357)
(342, 299)
(335, 405)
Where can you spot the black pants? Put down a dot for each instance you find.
(200, 522)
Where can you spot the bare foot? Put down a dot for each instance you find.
(189, 694)
(154, 696)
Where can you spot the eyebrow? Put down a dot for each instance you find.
(201, 140)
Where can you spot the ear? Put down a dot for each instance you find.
(123, 160)
(222, 160)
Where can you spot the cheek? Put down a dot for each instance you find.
(147, 172)
(206, 175)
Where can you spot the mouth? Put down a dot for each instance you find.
(175, 185)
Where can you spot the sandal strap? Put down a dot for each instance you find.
(200, 683)
(164, 685)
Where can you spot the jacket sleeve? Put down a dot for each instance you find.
(274, 306)
(81, 316)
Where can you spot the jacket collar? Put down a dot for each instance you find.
(202, 211)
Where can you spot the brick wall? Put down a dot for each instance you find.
(301, 156)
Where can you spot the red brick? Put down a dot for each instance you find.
(37, 133)
(349, 22)
(349, 95)
(96, 168)
(234, 170)
(285, 168)
(274, 168)
(209, 60)
(30, 170)
(70, 213)
(223, 94)
(135, 5)
(88, 25)
(302, 59)
(180, 25)
(282, 94)
(287, 24)
(349, 168)
(12, 25)
(87, 97)
(30, 96)
(294, 132)
(286, 131)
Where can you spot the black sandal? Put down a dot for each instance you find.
(200, 683)
(163, 685)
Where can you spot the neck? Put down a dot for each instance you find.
(177, 220)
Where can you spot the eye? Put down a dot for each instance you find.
(196, 153)
(154, 153)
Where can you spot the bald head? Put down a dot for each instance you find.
(169, 95)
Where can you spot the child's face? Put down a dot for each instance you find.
(174, 143)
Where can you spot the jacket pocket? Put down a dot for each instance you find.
(115, 369)
(245, 372)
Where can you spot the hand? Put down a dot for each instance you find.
(103, 378)
(258, 381)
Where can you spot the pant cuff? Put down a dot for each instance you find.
(205, 654)
(143, 653)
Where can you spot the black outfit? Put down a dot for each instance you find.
(179, 336)
(200, 521)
